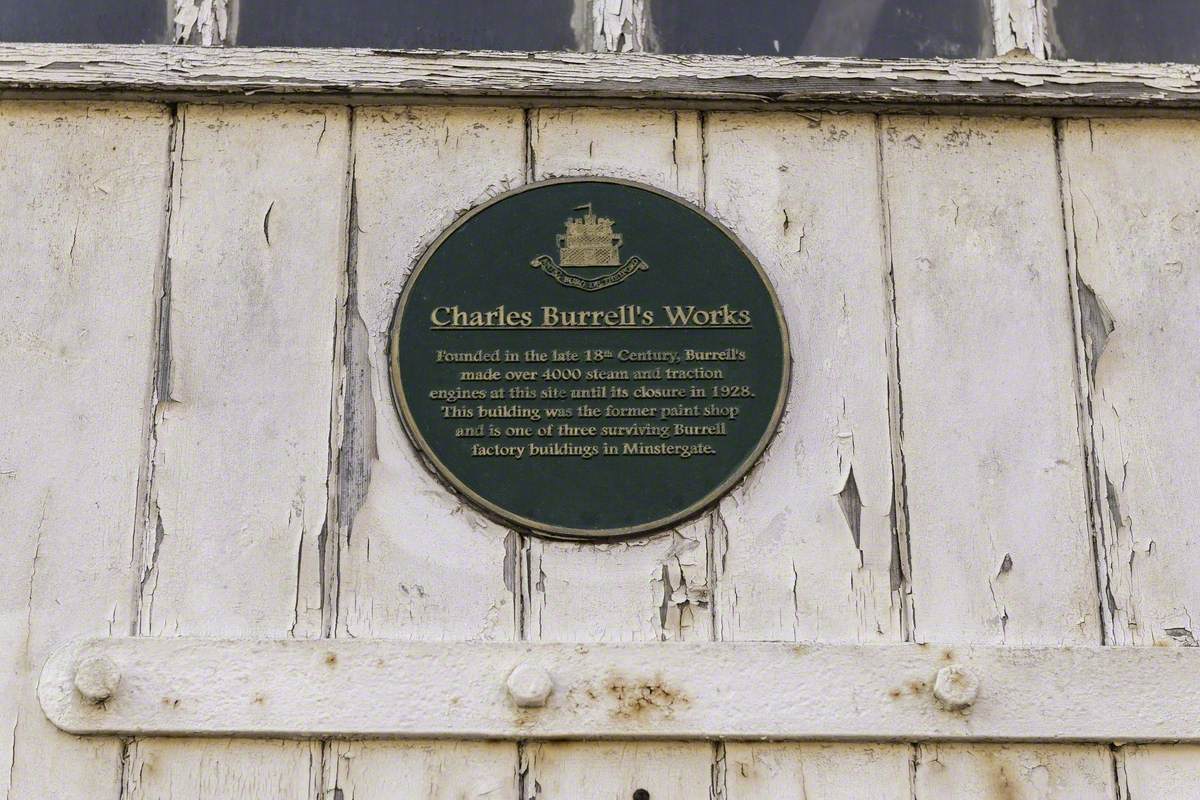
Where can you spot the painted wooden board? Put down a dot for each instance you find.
(617, 770)
(1019, 28)
(167, 769)
(996, 506)
(241, 441)
(1026, 772)
(83, 192)
(310, 688)
(987, 86)
(806, 545)
(1132, 199)
(415, 563)
(1167, 771)
(999, 530)
(816, 772)
(654, 588)
(438, 770)
(804, 549)
(994, 478)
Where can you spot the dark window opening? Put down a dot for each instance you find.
(409, 24)
(85, 21)
(869, 28)
(1126, 30)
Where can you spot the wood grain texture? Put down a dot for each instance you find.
(996, 505)
(615, 770)
(83, 192)
(241, 442)
(1025, 772)
(632, 79)
(1153, 771)
(804, 547)
(416, 563)
(655, 588)
(1132, 200)
(816, 772)
(440, 770)
(167, 769)
(994, 488)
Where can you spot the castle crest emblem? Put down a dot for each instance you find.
(589, 243)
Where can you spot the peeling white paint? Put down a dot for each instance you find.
(1019, 27)
(82, 196)
(1066, 87)
(813, 546)
(621, 26)
(204, 22)
(239, 479)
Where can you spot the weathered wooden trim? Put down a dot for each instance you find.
(621, 26)
(208, 23)
(387, 688)
(1019, 28)
(629, 79)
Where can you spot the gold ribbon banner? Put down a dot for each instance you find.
(547, 265)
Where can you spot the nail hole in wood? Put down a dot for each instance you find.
(641, 794)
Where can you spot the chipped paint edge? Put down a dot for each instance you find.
(358, 76)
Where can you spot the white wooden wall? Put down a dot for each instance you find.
(992, 434)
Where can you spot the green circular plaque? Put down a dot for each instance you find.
(589, 358)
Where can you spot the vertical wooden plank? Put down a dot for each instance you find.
(617, 770)
(426, 770)
(994, 479)
(167, 769)
(1171, 771)
(805, 549)
(1132, 198)
(83, 192)
(655, 588)
(416, 563)
(996, 504)
(1024, 772)
(817, 772)
(241, 455)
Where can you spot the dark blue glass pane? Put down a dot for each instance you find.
(869, 28)
(439, 24)
(82, 21)
(1127, 30)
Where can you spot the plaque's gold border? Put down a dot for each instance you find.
(555, 531)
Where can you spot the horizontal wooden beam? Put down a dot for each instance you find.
(630, 79)
(378, 688)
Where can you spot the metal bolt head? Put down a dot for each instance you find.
(96, 678)
(530, 686)
(956, 687)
